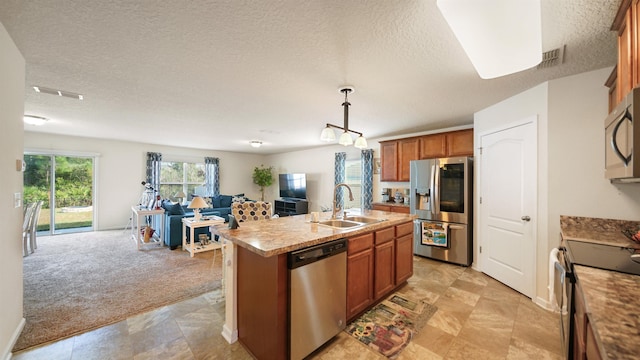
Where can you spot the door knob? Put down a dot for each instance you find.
(525, 218)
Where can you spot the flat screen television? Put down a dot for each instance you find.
(293, 186)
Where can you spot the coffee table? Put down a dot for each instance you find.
(192, 224)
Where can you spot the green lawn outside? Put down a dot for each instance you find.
(65, 220)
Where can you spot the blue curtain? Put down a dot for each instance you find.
(212, 175)
(366, 157)
(154, 161)
(339, 177)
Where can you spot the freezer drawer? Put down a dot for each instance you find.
(444, 241)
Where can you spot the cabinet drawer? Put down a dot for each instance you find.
(382, 207)
(384, 235)
(404, 229)
(360, 243)
(401, 209)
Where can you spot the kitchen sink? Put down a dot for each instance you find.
(341, 223)
(363, 219)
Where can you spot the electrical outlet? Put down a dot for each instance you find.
(17, 200)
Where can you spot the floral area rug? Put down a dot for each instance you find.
(389, 326)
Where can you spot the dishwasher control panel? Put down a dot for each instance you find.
(314, 253)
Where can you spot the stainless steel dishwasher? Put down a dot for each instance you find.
(318, 296)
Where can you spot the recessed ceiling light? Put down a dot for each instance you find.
(35, 120)
(256, 143)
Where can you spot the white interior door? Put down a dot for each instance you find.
(507, 223)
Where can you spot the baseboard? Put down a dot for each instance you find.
(545, 304)
(6, 355)
(229, 335)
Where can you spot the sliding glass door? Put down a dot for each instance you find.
(65, 185)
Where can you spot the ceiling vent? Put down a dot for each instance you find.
(46, 90)
(552, 58)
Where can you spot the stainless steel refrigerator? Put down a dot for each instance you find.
(442, 198)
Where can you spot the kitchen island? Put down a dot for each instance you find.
(379, 260)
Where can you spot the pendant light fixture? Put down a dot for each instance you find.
(345, 139)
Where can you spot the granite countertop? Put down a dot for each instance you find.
(612, 302)
(285, 234)
(597, 230)
(612, 299)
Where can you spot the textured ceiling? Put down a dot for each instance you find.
(217, 74)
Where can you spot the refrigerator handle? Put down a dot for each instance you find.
(432, 183)
(435, 188)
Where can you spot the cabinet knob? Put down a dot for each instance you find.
(525, 218)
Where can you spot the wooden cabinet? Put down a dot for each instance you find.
(627, 71)
(625, 52)
(433, 146)
(404, 258)
(396, 155)
(460, 143)
(585, 345)
(389, 161)
(360, 262)
(377, 263)
(382, 207)
(404, 252)
(384, 279)
(391, 208)
(408, 150)
(395, 158)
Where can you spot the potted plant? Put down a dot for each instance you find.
(263, 177)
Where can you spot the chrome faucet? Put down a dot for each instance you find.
(336, 206)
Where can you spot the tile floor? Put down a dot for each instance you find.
(477, 318)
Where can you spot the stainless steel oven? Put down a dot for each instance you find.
(564, 281)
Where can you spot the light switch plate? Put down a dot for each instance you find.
(17, 200)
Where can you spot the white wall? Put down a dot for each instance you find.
(571, 113)
(121, 168)
(318, 165)
(12, 87)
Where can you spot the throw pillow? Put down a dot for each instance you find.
(225, 201)
(175, 209)
(215, 202)
(238, 199)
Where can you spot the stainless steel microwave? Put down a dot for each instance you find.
(622, 140)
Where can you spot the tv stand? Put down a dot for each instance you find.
(288, 207)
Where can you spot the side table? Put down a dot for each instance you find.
(137, 214)
(192, 224)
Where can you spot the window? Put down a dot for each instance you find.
(181, 176)
(353, 178)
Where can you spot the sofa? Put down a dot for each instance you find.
(220, 206)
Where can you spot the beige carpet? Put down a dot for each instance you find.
(78, 282)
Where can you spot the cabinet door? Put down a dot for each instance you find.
(433, 146)
(384, 276)
(460, 143)
(359, 282)
(635, 45)
(404, 258)
(389, 161)
(625, 52)
(408, 149)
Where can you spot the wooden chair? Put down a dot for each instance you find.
(26, 222)
(33, 226)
